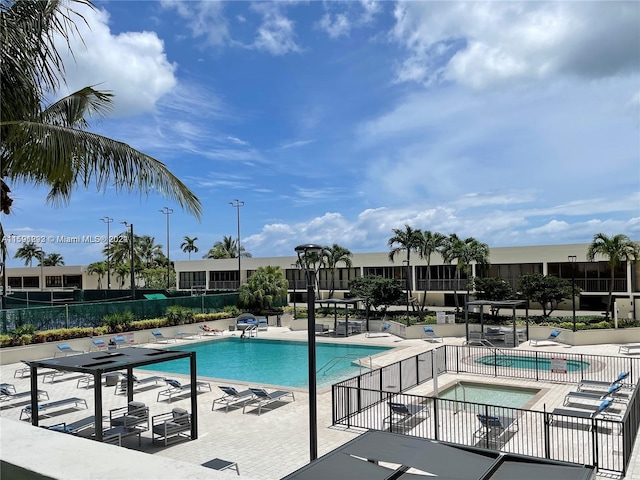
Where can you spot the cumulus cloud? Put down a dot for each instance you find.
(204, 18)
(486, 44)
(133, 65)
(276, 34)
(336, 25)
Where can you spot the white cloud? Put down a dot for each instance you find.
(485, 44)
(335, 27)
(299, 143)
(204, 18)
(133, 65)
(276, 35)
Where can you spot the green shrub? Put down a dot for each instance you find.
(118, 322)
(179, 315)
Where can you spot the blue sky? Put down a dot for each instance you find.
(517, 123)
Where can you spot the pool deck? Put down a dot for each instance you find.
(265, 447)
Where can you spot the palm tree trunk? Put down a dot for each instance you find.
(610, 293)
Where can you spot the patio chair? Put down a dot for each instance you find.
(580, 397)
(232, 397)
(384, 331)
(176, 389)
(321, 329)
(74, 427)
(263, 398)
(7, 393)
(22, 371)
(598, 385)
(121, 385)
(57, 403)
(629, 349)
(99, 344)
(207, 330)
(553, 338)
(429, 335)
(135, 414)
(493, 429)
(158, 337)
(599, 411)
(171, 427)
(182, 335)
(404, 416)
(65, 349)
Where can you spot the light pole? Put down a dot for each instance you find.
(168, 211)
(303, 251)
(133, 284)
(406, 262)
(40, 253)
(108, 220)
(237, 204)
(572, 260)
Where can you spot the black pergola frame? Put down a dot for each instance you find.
(342, 301)
(99, 363)
(361, 458)
(512, 304)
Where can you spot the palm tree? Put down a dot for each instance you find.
(50, 145)
(150, 253)
(189, 245)
(406, 240)
(123, 271)
(97, 268)
(53, 260)
(430, 243)
(226, 248)
(28, 252)
(334, 255)
(465, 252)
(616, 250)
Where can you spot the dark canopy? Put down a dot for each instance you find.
(341, 301)
(98, 363)
(360, 458)
(512, 304)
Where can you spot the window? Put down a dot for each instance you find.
(72, 281)
(53, 281)
(31, 282)
(189, 280)
(14, 282)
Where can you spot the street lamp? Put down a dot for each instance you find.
(237, 204)
(167, 211)
(408, 284)
(303, 251)
(572, 260)
(40, 253)
(133, 284)
(108, 220)
(295, 280)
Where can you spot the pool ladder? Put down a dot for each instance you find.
(336, 360)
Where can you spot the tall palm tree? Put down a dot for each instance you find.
(97, 268)
(334, 255)
(123, 271)
(226, 248)
(53, 260)
(28, 252)
(407, 240)
(149, 251)
(465, 252)
(616, 250)
(189, 245)
(430, 243)
(50, 145)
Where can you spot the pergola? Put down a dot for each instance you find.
(99, 363)
(376, 455)
(512, 304)
(342, 301)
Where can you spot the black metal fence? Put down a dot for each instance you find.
(605, 442)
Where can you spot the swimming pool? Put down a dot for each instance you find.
(499, 395)
(274, 362)
(517, 361)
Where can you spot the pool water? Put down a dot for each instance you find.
(515, 361)
(499, 395)
(274, 362)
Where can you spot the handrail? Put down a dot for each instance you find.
(335, 360)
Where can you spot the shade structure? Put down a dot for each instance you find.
(512, 304)
(341, 301)
(378, 455)
(98, 363)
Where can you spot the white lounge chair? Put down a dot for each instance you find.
(430, 335)
(601, 385)
(232, 397)
(553, 338)
(581, 397)
(263, 398)
(629, 349)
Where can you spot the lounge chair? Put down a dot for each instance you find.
(99, 344)
(384, 331)
(74, 427)
(493, 429)
(629, 349)
(430, 335)
(207, 330)
(321, 329)
(263, 398)
(404, 416)
(182, 335)
(57, 403)
(9, 386)
(553, 338)
(232, 397)
(65, 349)
(121, 386)
(172, 426)
(600, 410)
(580, 397)
(598, 385)
(176, 388)
(22, 371)
(6, 393)
(158, 337)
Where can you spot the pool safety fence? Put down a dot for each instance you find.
(371, 401)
